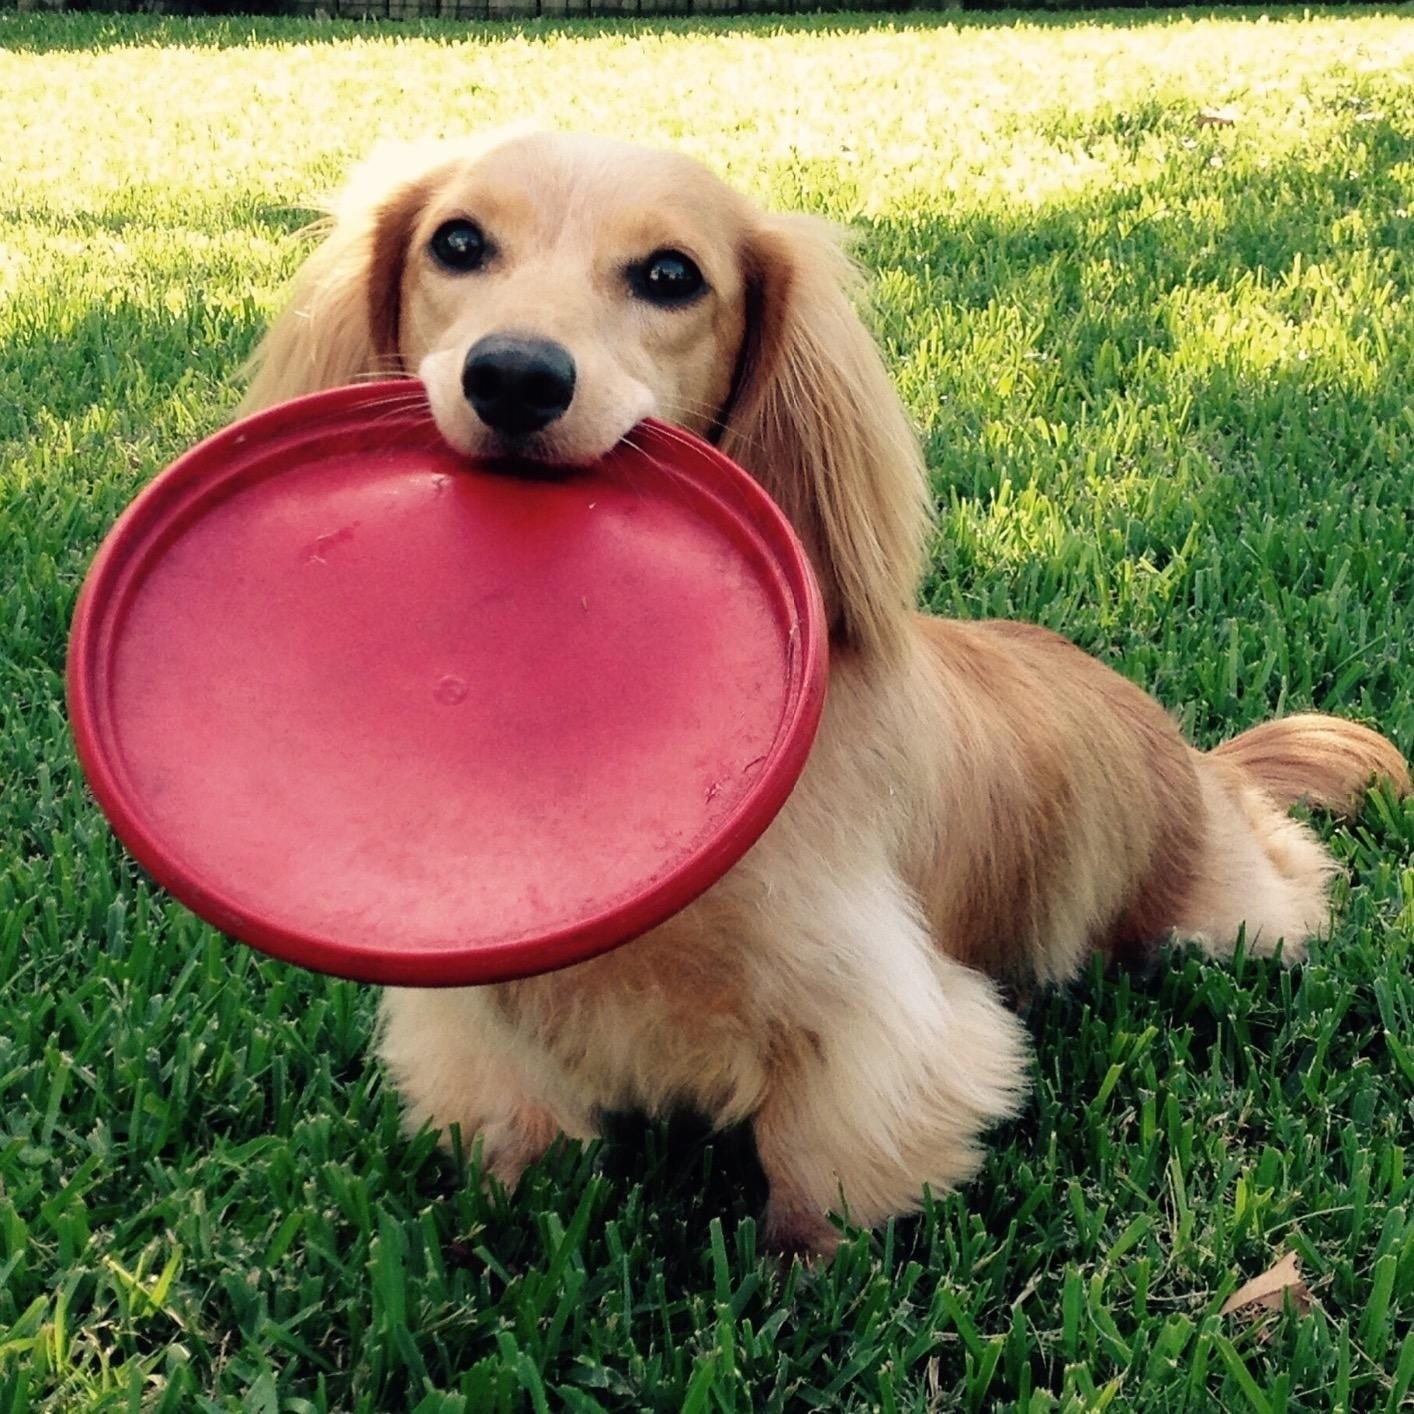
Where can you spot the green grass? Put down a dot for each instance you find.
(1165, 374)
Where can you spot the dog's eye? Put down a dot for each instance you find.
(459, 245)
(667, 277)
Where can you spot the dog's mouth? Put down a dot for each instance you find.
(562, 446)
(524, 465)
(539, 456)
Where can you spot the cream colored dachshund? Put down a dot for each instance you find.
(985, 806)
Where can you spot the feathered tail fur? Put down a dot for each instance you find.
(1313, 759)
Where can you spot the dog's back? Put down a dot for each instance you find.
(1078, 818)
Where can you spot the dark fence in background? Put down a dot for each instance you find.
(465, 9)
(517, 9)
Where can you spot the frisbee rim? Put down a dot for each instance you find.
(199, 479)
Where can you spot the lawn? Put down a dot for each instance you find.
(1164, 370)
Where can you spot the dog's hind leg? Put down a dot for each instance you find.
(1260, 873)
(1259, 870)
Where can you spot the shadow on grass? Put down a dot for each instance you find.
(1235, 444)
(1088, 272)
(241, 209)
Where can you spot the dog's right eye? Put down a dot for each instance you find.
(459, 245)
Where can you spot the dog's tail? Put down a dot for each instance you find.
(1316, 760)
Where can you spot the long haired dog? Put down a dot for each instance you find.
(984, 805)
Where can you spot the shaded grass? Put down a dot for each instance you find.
(1163, 376)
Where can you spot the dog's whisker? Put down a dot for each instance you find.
(392, 373)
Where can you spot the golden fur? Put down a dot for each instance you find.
(984, 804)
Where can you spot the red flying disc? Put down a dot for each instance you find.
(404, 718)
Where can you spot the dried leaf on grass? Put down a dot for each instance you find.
(1269, 1291)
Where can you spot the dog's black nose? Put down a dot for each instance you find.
(517, 385)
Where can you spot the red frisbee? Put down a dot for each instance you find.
(404, 718)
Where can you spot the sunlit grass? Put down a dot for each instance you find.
(1162, 368)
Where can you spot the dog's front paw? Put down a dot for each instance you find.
(509, 1146)
(794, 1234)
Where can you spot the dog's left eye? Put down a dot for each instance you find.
(459, 245)
(667, 277)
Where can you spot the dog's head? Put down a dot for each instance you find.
(550, 291)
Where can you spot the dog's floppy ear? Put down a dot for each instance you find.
(342, 320)
(815, 418)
